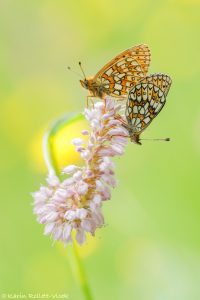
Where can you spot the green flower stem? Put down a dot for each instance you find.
(50, 160)
(79, 272)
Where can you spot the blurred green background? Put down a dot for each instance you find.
(150, 246)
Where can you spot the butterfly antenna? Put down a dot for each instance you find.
(164, 140)
(80, 65)
(79, 75)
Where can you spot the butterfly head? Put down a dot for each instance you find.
(88, 84)
(85, 83)
(135, 138)
(134, 135)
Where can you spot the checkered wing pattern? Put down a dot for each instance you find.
(162, 81)
(124, 71)
(145, 101)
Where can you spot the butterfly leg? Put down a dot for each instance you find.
(119, 118)
(120, 135)
(89, 99)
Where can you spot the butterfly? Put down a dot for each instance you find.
(145, 101)
(119, 74)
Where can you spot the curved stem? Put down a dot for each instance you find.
(53, 169)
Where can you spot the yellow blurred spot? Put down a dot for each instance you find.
(64, 150)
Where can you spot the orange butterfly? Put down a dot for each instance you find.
(120, 74)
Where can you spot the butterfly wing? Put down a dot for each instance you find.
(162, 81)
(145, 101)
(124, 71)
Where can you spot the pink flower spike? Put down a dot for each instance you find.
(75, 203)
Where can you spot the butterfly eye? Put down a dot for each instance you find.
(86, 83)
